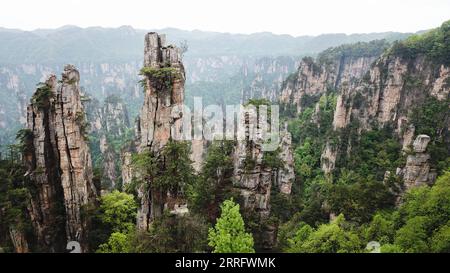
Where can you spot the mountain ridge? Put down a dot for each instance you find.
(68, 43)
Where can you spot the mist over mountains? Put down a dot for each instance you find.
(97, 44)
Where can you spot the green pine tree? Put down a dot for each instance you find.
(228, 235)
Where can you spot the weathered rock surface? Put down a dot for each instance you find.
(159, 120)
(392, 88)
(421, 143)
(417, 170)
(286, 176)
(381, 97)
(59, 163)
(157, 124)
(254, 179)
(313, 79)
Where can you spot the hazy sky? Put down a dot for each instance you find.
(295, 17)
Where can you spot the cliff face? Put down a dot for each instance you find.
(159, 119)
(314, 79)
(19, 240)
(332, 69)
(59, 163)
(392, 88)
(390, 94)
(285, 176)
(111, 117)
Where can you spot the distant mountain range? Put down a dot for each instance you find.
(124, 44)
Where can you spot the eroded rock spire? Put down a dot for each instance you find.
(59, 163)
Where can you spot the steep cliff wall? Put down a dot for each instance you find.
(390, 90)
(405, 91)
(332, 69)
(59, 163)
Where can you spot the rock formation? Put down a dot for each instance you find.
(59, 163)
(254, 177)
(160, 117)
(286, 176)
(332, 69)
(387, 95)
(109, 123)
(417, 170)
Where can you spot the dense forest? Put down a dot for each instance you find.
(364, 157)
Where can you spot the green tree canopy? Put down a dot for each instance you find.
(228, 235)
(327, 238)
(118, 209)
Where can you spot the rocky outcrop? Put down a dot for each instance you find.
(417, 170)
(332, 69)
(255, 175)
(157, 123)
(398, 93)
(59, 163)
(126, 167)
(198, 147)
(392, 89)
(285, 176)
(160, 117)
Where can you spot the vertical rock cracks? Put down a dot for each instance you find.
(159, 121)
(59, 163)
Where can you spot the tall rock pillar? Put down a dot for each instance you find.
(59, 163)
(160, 118)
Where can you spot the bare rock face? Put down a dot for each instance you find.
(157, 124)
(328, 158)
(198, 146)
(197, 153)
(59, 163)
(286, 175)
(313, 79)
(381, 96)
(127, 170)
(386, 96)
(159, 120)
(417, 170)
